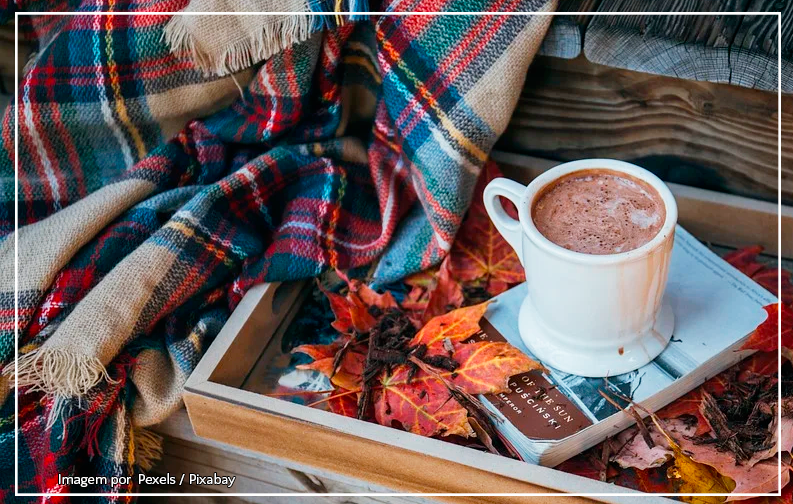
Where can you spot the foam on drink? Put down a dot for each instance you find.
(599, 212)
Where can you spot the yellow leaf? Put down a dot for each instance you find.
(693, 477)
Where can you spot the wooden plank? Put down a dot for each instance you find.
(720, 49)
(762, 30)
(565, 35)
(563, 39)
(712, 136)
(755, 49)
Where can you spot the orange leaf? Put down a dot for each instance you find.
(425, 408)
(479, 251)
(484, 368)
(352, 311)
(447, 294)
(418, 399)
(341, 308)
(319, 352)
(766, 337)
(362, 320)
(348, 376)
(457, 325)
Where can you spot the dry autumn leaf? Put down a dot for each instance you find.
(424, 407)
(479, 252)
(765, 477)
(692, 477)
(321, 352)
(457, 325)
(421, 402)
(653, 480)
(760, 363)
(745, 260)
(483, 368)
(629, 448)
(343, 402)
(766, 337)
(748, 477)
(353, 311)
(345, 374)
(367, 295)
(432, 293)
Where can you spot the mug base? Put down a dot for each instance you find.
(548, 348)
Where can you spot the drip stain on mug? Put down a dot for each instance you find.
(599, 212)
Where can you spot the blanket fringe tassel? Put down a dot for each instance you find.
(273, 37)
(147, 446)
(57, 372)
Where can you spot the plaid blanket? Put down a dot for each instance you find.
(139, 234)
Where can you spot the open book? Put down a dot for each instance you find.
(550, 417)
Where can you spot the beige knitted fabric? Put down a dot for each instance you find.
(44, 248)
(222, 44)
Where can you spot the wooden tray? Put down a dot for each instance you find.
(223, 408)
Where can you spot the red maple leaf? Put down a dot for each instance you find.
(343, 402)
(423, 408)
(766, 337)
(745, 260)
(480, 253)
(367, 295)
(457, 325)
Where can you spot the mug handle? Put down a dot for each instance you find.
(508, 227)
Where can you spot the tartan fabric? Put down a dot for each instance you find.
(363, 141)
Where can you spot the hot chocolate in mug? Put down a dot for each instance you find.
(592, 315)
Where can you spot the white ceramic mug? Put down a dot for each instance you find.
(585, 314)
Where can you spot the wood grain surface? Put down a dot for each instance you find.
(565, 35)
(712, 136)
(736, 49)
